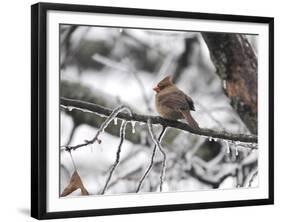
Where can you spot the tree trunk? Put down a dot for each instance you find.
(236, 65)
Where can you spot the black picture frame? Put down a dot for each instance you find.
(39, 108)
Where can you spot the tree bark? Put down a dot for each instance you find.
(236, 64)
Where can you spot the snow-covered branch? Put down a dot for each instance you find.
(91, 107)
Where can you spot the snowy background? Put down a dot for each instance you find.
(112, 66)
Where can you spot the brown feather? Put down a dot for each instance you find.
(172, 103)
(189, 119)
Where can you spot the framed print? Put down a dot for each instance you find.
(137, 110)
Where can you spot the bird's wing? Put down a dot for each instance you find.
(176, 100)
(190, 103)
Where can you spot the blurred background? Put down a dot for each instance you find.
(113, 66)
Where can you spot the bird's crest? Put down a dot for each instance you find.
(166, 81)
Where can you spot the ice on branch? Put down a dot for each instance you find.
(158, 145)
(151, 160)
(133, 126)
(103, 126)
(115, 121)
(227, 146)
(245, 138)
(118, 153)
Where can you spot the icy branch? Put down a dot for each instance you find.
(91, 107)
(252, 177)
(158, 145)
(122, 137)
(111, 116)
(151, 160)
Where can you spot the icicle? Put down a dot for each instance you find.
(236, 150)
(70, 108)
(237, 143)
(115, 121)
(133, 126)
(227, 147)
(113, 116)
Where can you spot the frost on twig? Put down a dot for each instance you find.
(152, 161)
(158, 145)
(252, 177)
(122, 137)
(112, 115)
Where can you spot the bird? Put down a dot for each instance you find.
(172, 103)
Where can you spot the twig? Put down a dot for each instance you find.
(122, 137)
(72, 160)
(147, 170)
(77, 104)
(255, 173)
(126, 176)
(72, 133)
(110, 117)
(158, 145)
(151, 160)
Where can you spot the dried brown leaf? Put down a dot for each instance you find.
(74, 184)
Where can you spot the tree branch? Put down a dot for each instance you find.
(85, 106)
(117, 160)
(157, 143)
(110, 117)
(95, 96)
(151, 160)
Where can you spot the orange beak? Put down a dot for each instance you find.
(156, 89)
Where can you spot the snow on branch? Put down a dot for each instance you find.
(130, 116)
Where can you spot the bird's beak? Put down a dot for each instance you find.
(156, 89)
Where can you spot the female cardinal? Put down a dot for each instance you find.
(172, 103)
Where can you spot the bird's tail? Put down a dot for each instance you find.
(191, 122)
